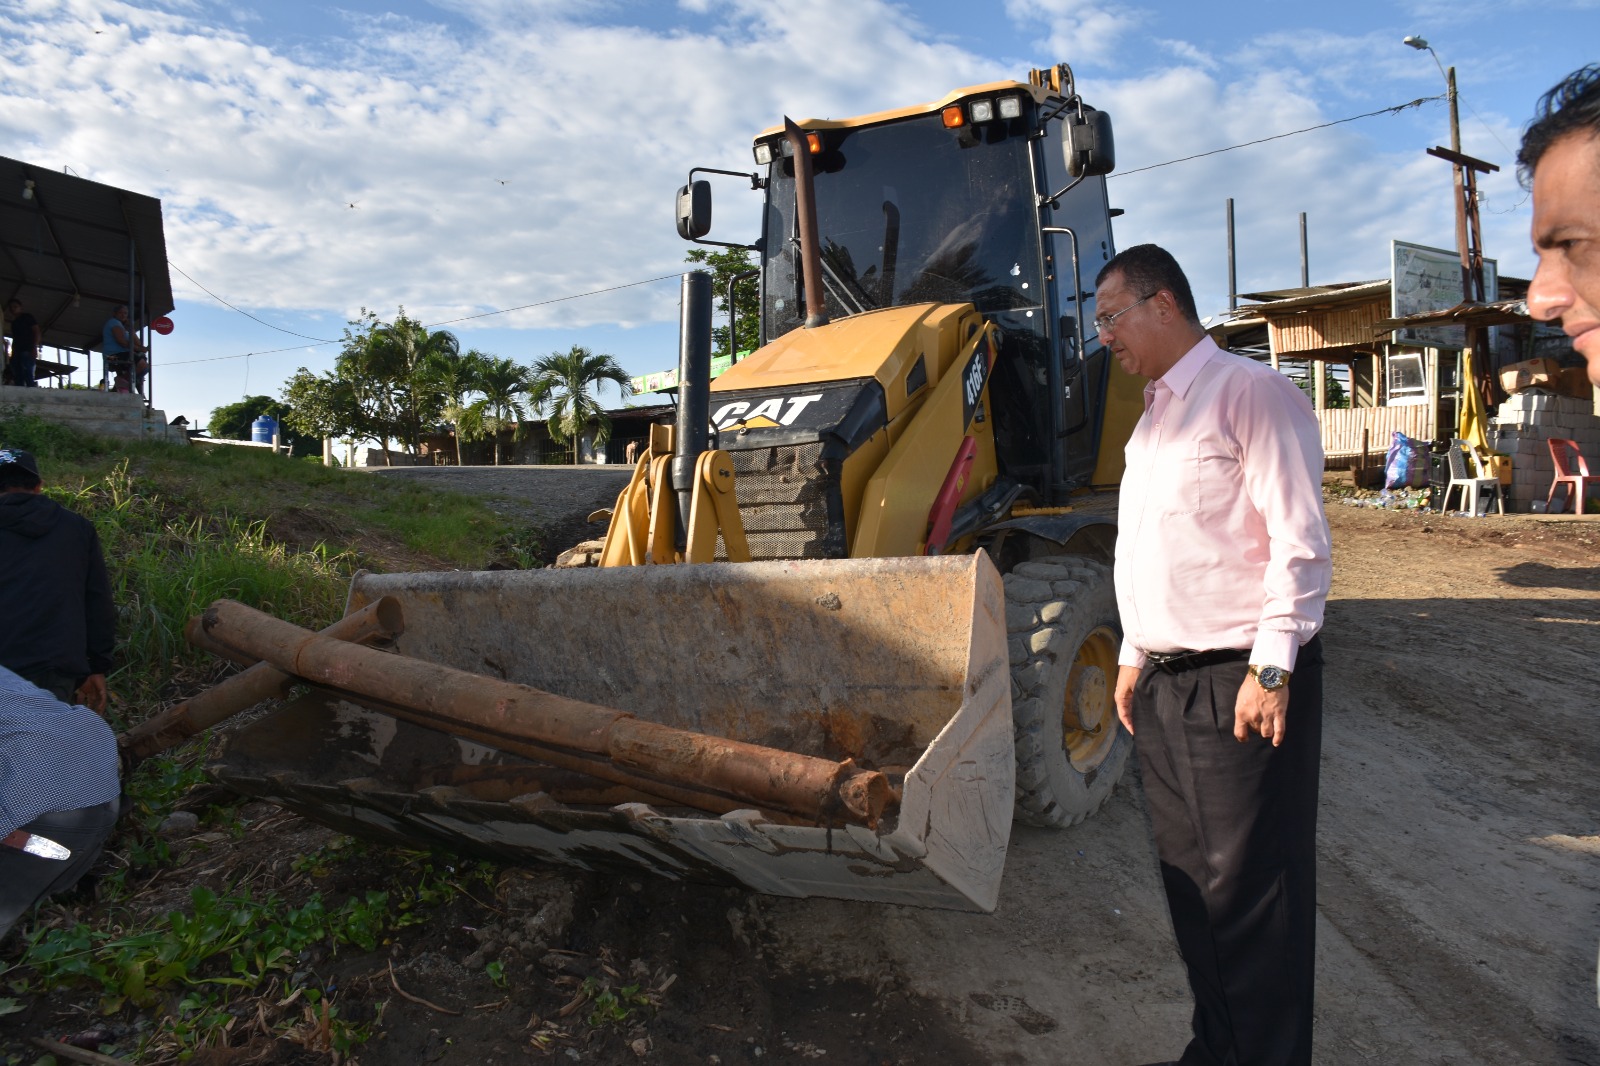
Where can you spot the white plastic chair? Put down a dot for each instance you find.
(1470, 482)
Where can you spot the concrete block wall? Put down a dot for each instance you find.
(1525, 424)
(105, 414)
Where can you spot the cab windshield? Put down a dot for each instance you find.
(909, 212)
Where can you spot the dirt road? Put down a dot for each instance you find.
(1459, 872)
(1459, 875)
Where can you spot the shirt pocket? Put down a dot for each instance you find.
(1176, 482)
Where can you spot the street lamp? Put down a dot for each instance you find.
(1458, 180)
(1421, 44)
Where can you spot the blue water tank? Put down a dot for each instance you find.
(263, 428)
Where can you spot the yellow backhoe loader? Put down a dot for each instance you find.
(853, 610)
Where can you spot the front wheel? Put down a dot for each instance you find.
(1061, 619)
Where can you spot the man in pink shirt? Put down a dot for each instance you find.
(1222, 572)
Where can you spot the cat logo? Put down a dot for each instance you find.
(768, 414)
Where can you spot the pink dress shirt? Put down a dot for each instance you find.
(1222, 541)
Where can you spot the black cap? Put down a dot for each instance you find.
(22, 459)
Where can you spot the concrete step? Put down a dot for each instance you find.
(104, 414)
(55, 399)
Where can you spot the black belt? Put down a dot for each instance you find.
(1176, 662)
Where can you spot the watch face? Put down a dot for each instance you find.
(1270, 677)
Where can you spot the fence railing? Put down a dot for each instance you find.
(1342, 429)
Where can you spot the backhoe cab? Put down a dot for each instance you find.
(922, 271)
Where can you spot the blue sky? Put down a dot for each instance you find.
(507, 153)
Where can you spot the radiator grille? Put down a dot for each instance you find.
(784, 496)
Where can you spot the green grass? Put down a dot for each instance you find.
(211, 956)
(182, 527)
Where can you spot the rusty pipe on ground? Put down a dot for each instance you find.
(710, 773)
(195, 636)
(380, 620)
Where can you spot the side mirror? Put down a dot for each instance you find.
(1089, 148)
(694, 210)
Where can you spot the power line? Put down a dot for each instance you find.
(430, 325)
(554, 300)
(1395, 110)
(242, 311)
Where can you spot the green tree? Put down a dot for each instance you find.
(724, 265)
(364, 374)
(323, 405)
(503, 383)
(455, 375)
(382, 364)
(398, 353)
(233, 421)
(1337, 397)
(561, 384)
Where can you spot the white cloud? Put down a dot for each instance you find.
(1085, 30)
(1189, 54)
(1356, 199)
(534, 157)
(516, 152)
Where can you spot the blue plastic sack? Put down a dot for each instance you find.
(1406, 466)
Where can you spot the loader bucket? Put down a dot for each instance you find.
(897, 664)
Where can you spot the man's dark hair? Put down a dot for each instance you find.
(14, 476)
(1571, 107)
(1150, 268)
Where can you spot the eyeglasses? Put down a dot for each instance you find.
(1104, 323)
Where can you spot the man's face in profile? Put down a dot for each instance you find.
(1566, 235)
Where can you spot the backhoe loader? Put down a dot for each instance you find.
(853, 611)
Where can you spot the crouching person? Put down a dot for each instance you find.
(58, 794)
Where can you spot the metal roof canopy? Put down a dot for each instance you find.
(76, 250)
(1495, 313)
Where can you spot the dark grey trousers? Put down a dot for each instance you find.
(1235, 829)
(25, 879)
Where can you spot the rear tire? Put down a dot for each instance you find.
(1061, 619)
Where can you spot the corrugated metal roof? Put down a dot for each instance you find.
(1302, 290)
(76, 249)
(1315, 296)
(1498, 313)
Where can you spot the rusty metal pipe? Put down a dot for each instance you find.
(708, 772)
(805, 210)
(380, 620)
(195, 636)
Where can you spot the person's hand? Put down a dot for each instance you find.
(92, 693)
(1127, 677)
(1259, 711)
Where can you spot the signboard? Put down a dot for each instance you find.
(1429, 279)
(662, 380)
(162, 325)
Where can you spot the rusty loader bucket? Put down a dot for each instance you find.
(891, 665)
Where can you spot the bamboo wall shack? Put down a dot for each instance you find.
(1393, 373)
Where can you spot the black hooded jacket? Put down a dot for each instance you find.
(56, 611)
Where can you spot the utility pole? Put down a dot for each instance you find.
(1469, 233)
(1469, 289)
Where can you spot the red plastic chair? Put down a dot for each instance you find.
(1565, 455)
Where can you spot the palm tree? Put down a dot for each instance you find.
(454, 375)
(399, 352)
(503, 382)
(562, 383)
